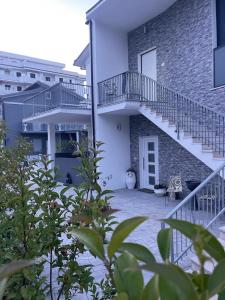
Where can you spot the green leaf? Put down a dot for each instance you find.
(91, 239)
(195, 232)
(151, 291)
(168, 290)
(121, 232)
(222, 295)
(121, 296)
(164, 239)
(177, 277)
(216, 283)
(128, 276)
(140, 252)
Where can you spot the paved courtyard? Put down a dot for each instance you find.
(130, 204)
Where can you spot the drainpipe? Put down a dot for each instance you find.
(92, 84)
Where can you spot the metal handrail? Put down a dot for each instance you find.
(203, 206)
(190, 116)
(59, 95)
(195, 191)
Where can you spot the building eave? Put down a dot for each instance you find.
(82, 58)
(114, 13)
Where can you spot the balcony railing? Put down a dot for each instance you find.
(125, 86)
(201, 123)
(61, 95)
(62, 127)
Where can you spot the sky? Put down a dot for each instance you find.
(48, 29)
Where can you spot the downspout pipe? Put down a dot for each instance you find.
(92, 84)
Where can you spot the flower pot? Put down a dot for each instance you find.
(160, 192)
(130, 180)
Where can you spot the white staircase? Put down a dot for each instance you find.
(194, 126)
(195, 147)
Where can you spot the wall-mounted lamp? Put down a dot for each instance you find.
(145, 29)
(119, 127)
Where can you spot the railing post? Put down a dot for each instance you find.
(127, 85)
(177, 117)
(172, 249)
(222, 187)
(61, 97)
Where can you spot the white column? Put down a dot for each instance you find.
(51, 144)
(90, 134)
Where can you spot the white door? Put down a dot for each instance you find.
(149, 162)
(148, 64)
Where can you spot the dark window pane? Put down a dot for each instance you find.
(151, 169)
(151, 157)
(151, 180)
(151, 146)
(220, 19)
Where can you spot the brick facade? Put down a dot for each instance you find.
(173, 158)
(183, 36)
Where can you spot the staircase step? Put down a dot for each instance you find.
(206, 148)
(196, 140)
(186, 134)
(222, 241)
(218, 155)
(208, 267)
(222, 233)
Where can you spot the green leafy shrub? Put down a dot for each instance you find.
(36, 215)
(125, 263)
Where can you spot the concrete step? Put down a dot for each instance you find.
(222, 233)
(209, 265)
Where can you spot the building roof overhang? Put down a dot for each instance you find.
(127, 15)
(80, 61)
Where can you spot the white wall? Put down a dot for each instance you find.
(114, 132)
(110, 52)
(110, 57)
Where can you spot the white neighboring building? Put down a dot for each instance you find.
(17, 72)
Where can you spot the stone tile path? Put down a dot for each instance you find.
(131, 204)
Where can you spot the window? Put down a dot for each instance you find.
(7, 87)
(48, 95)
(37, 145)
(60, 79)
(71, 81)
(47, 78)
(32, 75)
(220, 22)
(19, 88)
(18, 74)
(219, 52)
(7, 72)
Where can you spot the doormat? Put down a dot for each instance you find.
(146, 191)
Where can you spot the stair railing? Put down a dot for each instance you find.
(194, 119)
(204, 206)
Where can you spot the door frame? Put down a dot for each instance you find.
(140, 59)
(142, 140)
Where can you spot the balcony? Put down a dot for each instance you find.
(61, 103)
(120, 94)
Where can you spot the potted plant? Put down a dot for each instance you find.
(160, 190)
(130, 179)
